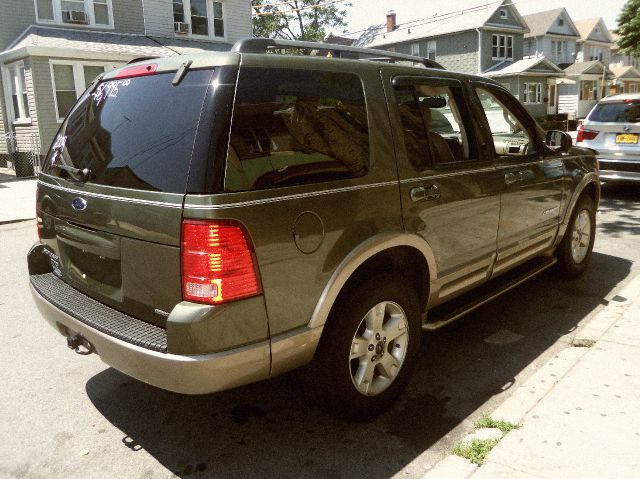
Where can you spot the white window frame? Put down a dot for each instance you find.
(88, 8)
(496, 43)
(78, 77)
(504, 13)
(186, 7)
(538, 93)
(596, 53)
(561, 53)
(431, 50)
(23, 110)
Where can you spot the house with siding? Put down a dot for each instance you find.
(625, 69)
(553, 35)
(587, 80)
(595, 41)
(533, 81)
(586, 84)
(485, 40)
(471, 40)
(51, 50)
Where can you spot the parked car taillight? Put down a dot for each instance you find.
(586, 134)
(218, 263)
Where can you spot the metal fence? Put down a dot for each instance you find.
(24, 155)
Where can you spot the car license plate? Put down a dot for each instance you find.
(627, 138)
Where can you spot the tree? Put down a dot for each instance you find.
(629, 28)
(306, 20)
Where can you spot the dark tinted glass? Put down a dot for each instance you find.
(295, 127)
(623, 112)
(133, 133)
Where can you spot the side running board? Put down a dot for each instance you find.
(456, 308)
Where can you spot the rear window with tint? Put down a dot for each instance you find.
(133, 133)
(293, 127)
(622, 112)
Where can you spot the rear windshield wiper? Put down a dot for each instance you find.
(82, 173)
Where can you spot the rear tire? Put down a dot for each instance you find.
(368, 349)
(576, 248)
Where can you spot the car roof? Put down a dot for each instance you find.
(621, 97)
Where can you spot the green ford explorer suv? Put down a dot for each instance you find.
(212, 220)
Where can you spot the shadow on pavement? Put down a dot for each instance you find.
(623, 199)
(271, 429)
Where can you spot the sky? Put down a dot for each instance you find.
(364, 13)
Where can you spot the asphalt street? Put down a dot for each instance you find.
(65, 415)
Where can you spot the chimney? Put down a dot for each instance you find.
(391, 20)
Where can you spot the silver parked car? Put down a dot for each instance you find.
(613, 130)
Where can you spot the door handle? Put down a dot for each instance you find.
(511, 178)
(425, 193)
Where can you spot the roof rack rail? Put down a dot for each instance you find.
(262, 45)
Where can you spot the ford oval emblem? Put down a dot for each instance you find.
(79, 204)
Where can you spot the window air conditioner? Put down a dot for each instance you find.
(74, 16)
(181, 27)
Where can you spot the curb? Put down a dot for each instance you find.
(528, 395)
(10, 222)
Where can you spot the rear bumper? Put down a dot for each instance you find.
(199, 374)
(619, 169)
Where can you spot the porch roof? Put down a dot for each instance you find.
(537, 66)
(63, 42)
(594, 67)
(625, 73)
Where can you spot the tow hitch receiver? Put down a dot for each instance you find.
(80, 345)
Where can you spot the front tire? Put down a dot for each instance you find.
(369, 347)
(576, 248)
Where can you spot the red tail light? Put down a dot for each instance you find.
(217, 263)
(137, 71)
(586, 134)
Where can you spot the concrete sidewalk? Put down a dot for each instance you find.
(580, 414)
(17, 197)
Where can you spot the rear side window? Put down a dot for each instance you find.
(622, 112)
(293, 127)
(133, 133)
(434, 125)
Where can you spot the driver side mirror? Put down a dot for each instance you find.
(559, 141)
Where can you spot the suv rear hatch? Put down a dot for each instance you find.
(111, 194)
(614, 127)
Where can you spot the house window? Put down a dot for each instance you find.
(44, 9)
(532, 93)
(588, 90)
(560, 51)
(431, 50)
(18, 91)
(204, 17)
(597, 53)
(504, 13)
(561, 22)
(75, 12)
(502, 47)
(70, 80)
